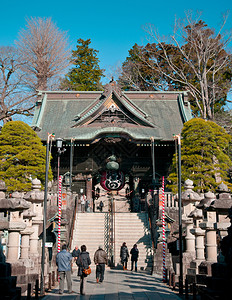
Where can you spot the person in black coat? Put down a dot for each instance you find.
(124, 254)
(83, 262)
(134, 257)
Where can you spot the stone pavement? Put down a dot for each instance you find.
(118, 284)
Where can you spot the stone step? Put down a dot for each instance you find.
(129, 227)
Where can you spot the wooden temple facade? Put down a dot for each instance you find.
(112, 137)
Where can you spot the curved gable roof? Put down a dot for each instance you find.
(83, 115)
(112, 100)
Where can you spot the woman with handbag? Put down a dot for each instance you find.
(124, 254)
(84, 270)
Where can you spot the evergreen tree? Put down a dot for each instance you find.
(204, 156)
(22, 156)
(86, 74)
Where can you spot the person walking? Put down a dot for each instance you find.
(83, 262)
(101, 205)
(83, 202)
(100, 260)
(124, 254)
(63, 262)
(134, 257)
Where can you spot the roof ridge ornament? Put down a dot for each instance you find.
(112, 87)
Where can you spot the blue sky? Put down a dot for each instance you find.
(113, 26)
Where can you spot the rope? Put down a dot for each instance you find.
(101, 194)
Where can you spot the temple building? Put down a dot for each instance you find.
(114, 139)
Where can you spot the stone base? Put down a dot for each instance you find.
(219, 285)
(205, 268)
(188, 257)
(8, 283)
(192, 271)
(158, 260)
(122, 204)
(24, 275)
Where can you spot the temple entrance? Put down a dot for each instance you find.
(135, 170)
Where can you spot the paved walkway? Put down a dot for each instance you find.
(118, 284)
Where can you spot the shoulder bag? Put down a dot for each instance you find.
(85, 271)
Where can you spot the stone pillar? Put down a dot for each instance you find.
(199, 234)
(209, 226)
(25, 235)
(211, 244)
(13, 246)
(211, 241)
(36, 197)
(190, 238)
(189, 199)
(200, 253)
(34, 239)
(15, 226)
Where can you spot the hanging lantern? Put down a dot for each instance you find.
(112, 163)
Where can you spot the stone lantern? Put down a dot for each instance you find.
(36, 197)
(221, 205)
(25, 234)
(208, 225)
(15, 206)
(189, 200)
(199, 234)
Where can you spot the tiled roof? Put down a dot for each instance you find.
(162, 114)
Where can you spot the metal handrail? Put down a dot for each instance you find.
(106, 233)
(73, 223)
(111, 233)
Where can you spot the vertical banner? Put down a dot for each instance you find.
(59, 211)
(163, 223)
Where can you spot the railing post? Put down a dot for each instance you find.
(169, 278)
(194, 291)
(53, 278)
(173, 281)
(49, 281)
(37, 289)
(186, 289)
(29, 291)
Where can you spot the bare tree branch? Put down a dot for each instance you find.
(193, 59)
(45, 48)
(14, 97)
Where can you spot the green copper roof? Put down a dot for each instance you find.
(161, 114)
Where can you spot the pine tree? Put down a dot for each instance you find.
(204, 156)
(22, 156)
(86, 74)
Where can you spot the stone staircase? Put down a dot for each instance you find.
(132, 228)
